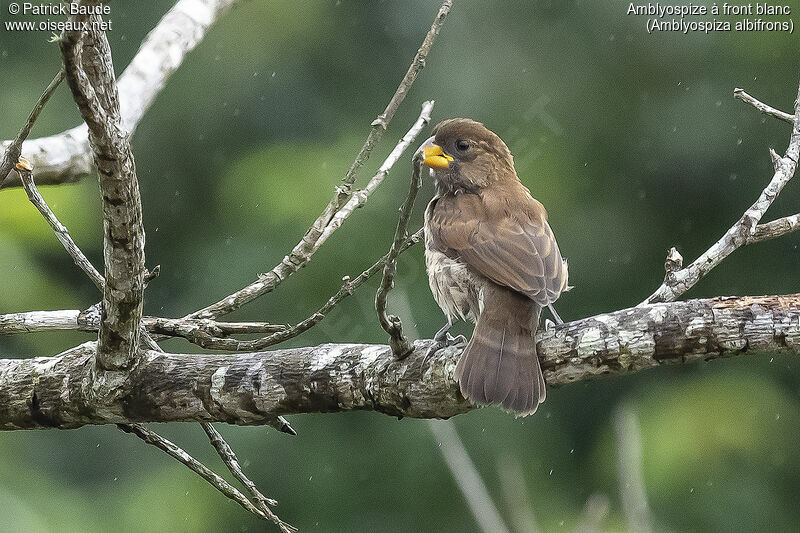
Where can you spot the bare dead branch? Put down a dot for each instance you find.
(761, 106)
(391, 324)
(67, 157)
(743, 231)
(776, 228)
(310, 243)
(204, 332)
(32, 321)
(202, 338)
(176, 452)
(328, 222)
(61, 231)
(90, 75)
(14, 149)
(229, 458)
(360, 197)
(89, 320)
(254, 388)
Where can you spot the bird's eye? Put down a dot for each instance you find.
(462, 145)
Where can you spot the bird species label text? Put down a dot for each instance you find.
(733, 17)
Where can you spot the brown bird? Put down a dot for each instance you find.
(491, 258)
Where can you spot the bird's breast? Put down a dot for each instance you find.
(455, 287)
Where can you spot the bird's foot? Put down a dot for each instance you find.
(445, 341)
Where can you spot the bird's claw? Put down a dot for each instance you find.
(447, 341)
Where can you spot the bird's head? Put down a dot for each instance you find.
(464, 155)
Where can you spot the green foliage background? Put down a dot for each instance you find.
(632, 141)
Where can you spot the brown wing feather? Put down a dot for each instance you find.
(519, 252)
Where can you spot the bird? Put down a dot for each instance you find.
(491, 258)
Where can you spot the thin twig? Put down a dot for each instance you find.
(62, 233)
(176, 452)
(360, 197)
(310, 243)
(14, 150)
(229, 458)
(744, 230)
(391, 324)
(202, 338)
(466, 476)
(629, 469)
(761, 106)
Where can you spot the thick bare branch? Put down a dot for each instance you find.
(743, 231)
(253, 388)
(90, 75)
(776, 228)
(67, 157)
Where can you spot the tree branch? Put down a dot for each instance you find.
(391, 323)
(214, 479)
(326, 223)
(253, 388)
(204, 339)
(761, 106)
(776, 228)
(329, 221)
(90, 75)
(67, 157)
(25, 172)
(745, 229)
(14, 149)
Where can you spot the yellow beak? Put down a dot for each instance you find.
(435, 156)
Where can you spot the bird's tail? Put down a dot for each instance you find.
(500, 364)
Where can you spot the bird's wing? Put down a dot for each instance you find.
(519, 252)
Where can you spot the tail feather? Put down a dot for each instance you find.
(500, 364)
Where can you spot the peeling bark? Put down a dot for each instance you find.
(253, 388)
